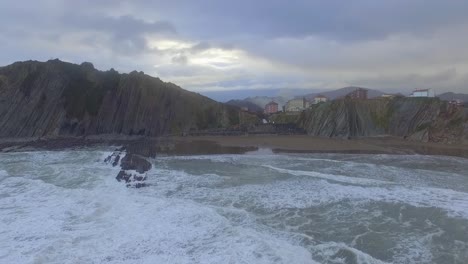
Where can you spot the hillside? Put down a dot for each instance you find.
(421, 119)
(242, 103)
(261, 101)
(334, 94)
(453, 96)
(58, 98)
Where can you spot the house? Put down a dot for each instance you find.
(296, 105)
(392, 96)
(423, 93)
(457, 102)
(271, 107)
(359, 93)
(320, 98)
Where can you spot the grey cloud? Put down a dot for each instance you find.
(51, 20)
(327, 41)
(443, 80)
(123, 26)
(202, 46)
(127, 32)
(180, 59)
(335, 19)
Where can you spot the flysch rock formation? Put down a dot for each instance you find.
(55, 98)
(420, 119)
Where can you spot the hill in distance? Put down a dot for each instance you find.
(261, 101)
(227, 95)
(454, 96)
(243, 103)
(334, 94)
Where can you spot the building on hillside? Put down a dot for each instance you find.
(319, 99)
(271, 107)
(388, 96)
(296, 105)
(423, 93)
(359, 93)
(457, 102)
(306, 103)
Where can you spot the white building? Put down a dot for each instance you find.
(423, 93)
(457, 102)
(319, 99)
(296, 105)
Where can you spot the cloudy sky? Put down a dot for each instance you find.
(216, 45)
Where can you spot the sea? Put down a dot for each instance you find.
(259, 207)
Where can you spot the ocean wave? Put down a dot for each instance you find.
(227, 208)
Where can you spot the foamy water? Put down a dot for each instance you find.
(67, 207)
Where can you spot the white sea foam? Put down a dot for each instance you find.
(3, 174)
(330, 252)
(67, 207)
(337, 178)
(302, 193)
(46, 223)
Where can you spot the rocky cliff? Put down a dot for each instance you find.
(57, 98)
(422, 119)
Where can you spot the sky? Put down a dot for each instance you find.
(212, 46)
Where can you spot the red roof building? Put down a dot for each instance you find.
(271, 107)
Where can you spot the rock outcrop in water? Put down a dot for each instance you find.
(135, 162)
(133, 168)
(421, 119)
(56, 98)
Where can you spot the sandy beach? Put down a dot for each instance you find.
(241, 144)
(308, 144)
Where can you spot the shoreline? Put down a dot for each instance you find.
(212, 145)
(310, 144)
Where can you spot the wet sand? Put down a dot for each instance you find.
(308, 144)
(202, 145)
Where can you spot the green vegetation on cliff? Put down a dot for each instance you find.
(285, 118)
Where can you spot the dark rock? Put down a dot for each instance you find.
(129, 163)
(138, 185)
(132, 180)
(123, 176)
(114, 158)
(120, 149)
(132, 168)
(135, 162)
(116, 161)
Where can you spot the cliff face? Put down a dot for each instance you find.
(422, 119)
(58, 98)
